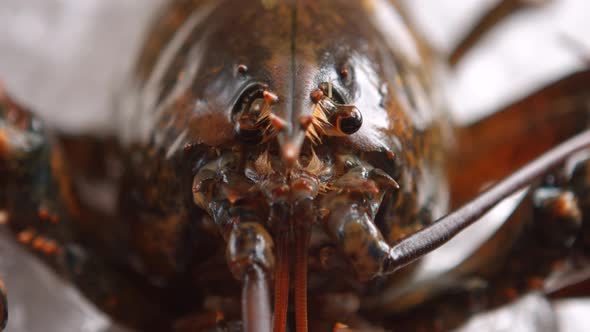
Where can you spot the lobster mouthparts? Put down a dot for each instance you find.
(288, 182)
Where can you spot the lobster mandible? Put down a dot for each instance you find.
(270, 146)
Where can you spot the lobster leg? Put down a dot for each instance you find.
(540, 248)
(34, 205)
(250, 248)
(21, 146)
(576, 282)
(527, 128)
(350, 218)
(493, 17)
(435, 235)
(371, 256)
(377, 257)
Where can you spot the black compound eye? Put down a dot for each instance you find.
(349, 119)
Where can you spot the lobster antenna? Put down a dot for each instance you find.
(255, 305)
(426, 240)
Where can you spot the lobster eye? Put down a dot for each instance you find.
(348, 119)
(248, 115)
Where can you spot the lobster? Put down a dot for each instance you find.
(289, 150)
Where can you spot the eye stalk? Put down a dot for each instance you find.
(251, 114)
(247, 123)
(332, 116)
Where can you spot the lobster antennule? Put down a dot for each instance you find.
(301, 234)
(281, 291)
(301, 244)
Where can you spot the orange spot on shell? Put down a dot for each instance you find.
(38, 243)
(49, 248)
(25, 237)
(43, 213)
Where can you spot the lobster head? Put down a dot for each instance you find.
(309, 117)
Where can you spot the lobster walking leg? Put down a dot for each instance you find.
(33, 201)
(375, 257)
(527, 128)
(577, 282)
(540, 248)
(432, 237)
(20, 143)
(350, 219)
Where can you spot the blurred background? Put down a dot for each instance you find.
(67, 59)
